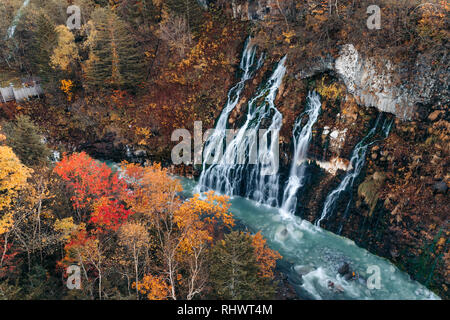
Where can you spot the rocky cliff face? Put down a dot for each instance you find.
(251, 10)
(404, 90)
(373, 88)
(373, 82)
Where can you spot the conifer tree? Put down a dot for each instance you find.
(139, 12)
(234, 270)
(41, 49)
(115, 60)
(24, 138)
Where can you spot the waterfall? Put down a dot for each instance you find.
(12, 28)
(244, 168)
(214, 143)
(357, 161)
(301, 137)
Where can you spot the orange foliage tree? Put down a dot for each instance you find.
(94, 186)
(265, 257)
(183, 230)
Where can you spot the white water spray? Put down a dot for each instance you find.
(235, 173)
(302, 138)
(214, 145)
(357, 161)
(12, 28)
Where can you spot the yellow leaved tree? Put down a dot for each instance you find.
(13, 179)
(65, 53)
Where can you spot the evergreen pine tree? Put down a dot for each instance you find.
(24, 138)
(234, 270)
(114, 60)
(139, 12)
(42, 46)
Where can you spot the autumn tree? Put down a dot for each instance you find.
(174, 30)
(93, 184)
(154, 287)
(88, 252)
(266, 258)
(140, 13)
(183, 231)
(65, 54)
(134, 236)
(44, 41)
(13, 180)
(190, 10)
(98, 197)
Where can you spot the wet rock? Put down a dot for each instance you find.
(104, 148)
(394, 253)
(350, 276)
(337, 140)
(282, 234)
(335, 287)
(338, 288)
(345, 268)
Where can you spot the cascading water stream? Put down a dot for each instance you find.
(311, 259)
(357, 162)
(214, 143)
(12, 28)
(247, 167)
(302, 137)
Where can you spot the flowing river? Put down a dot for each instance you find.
(312, 256)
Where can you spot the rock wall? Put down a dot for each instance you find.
(373, 82)
(250, 10)
(370, 87)
(406, 90)
(374, 87)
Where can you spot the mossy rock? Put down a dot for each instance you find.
(369, 189)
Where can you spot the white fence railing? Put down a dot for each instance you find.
(10, 93)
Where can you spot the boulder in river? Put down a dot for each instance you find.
(282, 234)
(344, 269)
(335, 287)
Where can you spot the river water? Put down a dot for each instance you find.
(312, 257)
